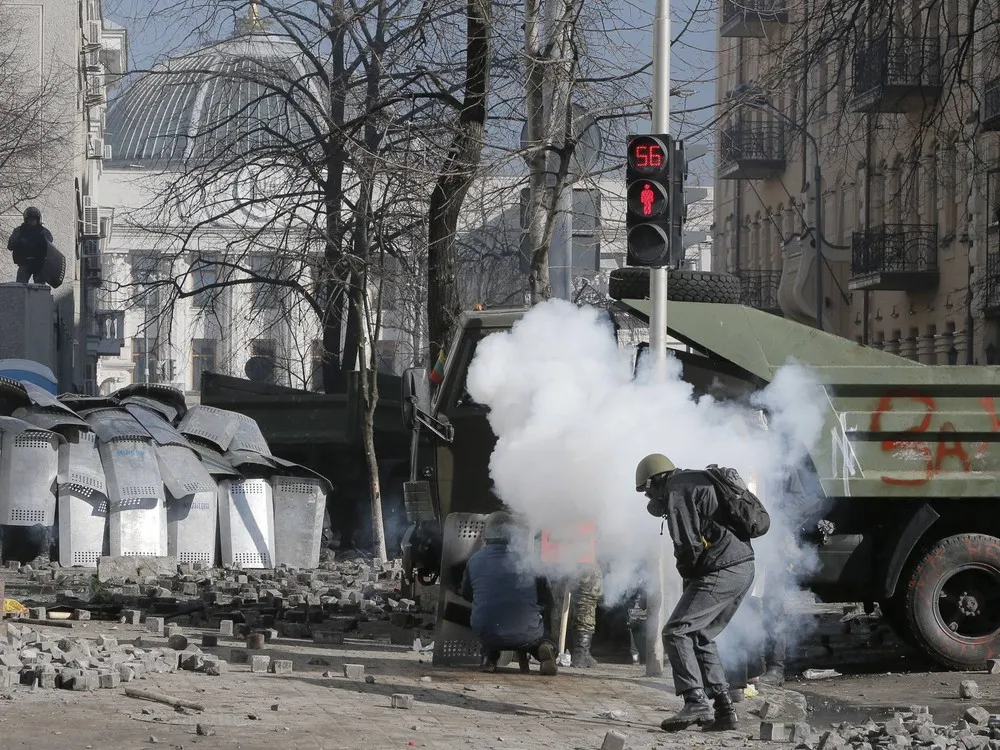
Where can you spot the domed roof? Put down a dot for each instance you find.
(220, 96)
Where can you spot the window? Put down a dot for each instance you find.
(148, 276)
(260, 368)
(586, 232)
(263, 295)
(386, 356)
(203, 359)
(142, 374)
(204, 276)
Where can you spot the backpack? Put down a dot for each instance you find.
(742, 511)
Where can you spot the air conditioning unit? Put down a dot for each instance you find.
(95, 148)
(90, 224)
(94, 33)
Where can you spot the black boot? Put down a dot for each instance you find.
(725, 714)
(547, 659)
(581, 654)
(774, 676)
(697, 710)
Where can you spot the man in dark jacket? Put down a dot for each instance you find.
(717, 571)
(29, 245)
(508, 604)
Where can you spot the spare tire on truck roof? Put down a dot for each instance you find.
(683, 285)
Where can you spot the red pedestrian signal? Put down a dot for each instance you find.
(647, 215)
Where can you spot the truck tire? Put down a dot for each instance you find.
(952, 601)
(684, 286)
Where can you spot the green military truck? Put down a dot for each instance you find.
(908, 459)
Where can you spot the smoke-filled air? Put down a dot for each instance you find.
(572, 422)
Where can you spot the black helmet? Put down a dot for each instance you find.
(33, 213)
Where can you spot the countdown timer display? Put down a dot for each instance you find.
(646, 155)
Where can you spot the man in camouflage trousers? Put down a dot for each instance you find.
(585, 594)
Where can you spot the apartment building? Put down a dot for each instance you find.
(894, 122)
(59, 59)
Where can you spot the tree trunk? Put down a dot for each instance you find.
(538, 280)
(443, 303)
(333, 273)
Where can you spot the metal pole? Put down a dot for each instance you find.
(655, 615)
(817, 178)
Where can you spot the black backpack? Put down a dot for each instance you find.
(741, 511)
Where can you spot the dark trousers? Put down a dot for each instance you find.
(706, 606)
(25, 273)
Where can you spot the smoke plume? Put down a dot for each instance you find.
(572, 423)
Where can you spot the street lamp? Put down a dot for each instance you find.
(754, 96)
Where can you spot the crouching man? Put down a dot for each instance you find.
(717, 570)
(508, 604)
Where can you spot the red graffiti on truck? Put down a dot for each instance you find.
(933, 458)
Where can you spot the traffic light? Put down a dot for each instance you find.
(648, 197)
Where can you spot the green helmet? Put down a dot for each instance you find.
(651, 466)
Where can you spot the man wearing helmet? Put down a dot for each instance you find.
(507, 602)
(29, 244)
(717, 570)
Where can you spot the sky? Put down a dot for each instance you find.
(692, 59)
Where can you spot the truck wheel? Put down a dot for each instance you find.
(953, 601)
(684, 286)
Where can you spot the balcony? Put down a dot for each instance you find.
(110, 334)
(752, 18)
(990, 116)
(752, 150)
(991, 285)
(894, 257)
(759, 289)
(896, 74)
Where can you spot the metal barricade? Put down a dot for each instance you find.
(29, 465)
(83, 526)
(183, 472)
(80, 461)
(192, 525)
(299, 504)
(246, 523)
(137, 517)
(217, 426)
(248, 436)
(454, 643)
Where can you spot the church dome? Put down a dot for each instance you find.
(220, 96)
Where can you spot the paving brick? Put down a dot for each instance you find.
(109, 679)
(613, 740)
(281, 666)
(226, 628)
(154, 625)
(216, 668)
(81, 614)
(402, 700)
(354, 671)
(259, 663)
(132, 616)
(209, 640)
(774, 732)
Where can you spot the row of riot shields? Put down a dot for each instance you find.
(140, 473)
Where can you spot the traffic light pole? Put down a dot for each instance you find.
(655, 614)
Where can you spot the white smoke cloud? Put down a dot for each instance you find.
(572, 424)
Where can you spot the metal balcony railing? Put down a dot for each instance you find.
(748, 140)
(991, 283)
(991, 105)
(895, 248)
(889, 71)
(759, 289)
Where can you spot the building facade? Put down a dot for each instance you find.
(59, 65)
(897, 130)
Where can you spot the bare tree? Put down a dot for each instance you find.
(37, 115)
